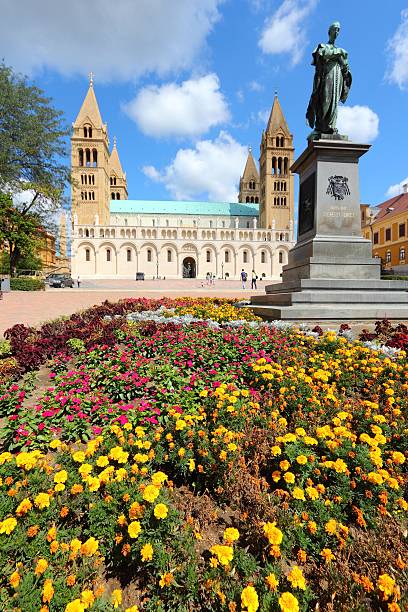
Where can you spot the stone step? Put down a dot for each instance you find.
(339, 297)
(341, 284)
(333, 312)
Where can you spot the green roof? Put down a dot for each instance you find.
(177, 207)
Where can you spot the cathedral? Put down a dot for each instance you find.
(114, 237)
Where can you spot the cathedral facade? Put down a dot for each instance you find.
(113, 236)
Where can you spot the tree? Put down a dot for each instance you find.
(32, 147)
(19, 236)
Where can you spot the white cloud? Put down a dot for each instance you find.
(117, 40)
(255, 86)
(360, 123)
(188, 109)
(394, 190)
(284, 31)
(398, 45)
(210, 170)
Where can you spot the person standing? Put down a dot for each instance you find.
(78, 282)
(254, 278)
(244, 278)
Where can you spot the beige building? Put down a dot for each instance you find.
(115, 237)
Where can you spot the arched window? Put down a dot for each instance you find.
(117, 195)
(87, 158)
(280, 257)
(256, 200)
(402, 254)
(87, 255)
(85, 132)
(168, 254)
(245, 256)
(263, 257)
(208, 255)
(128, 255)
(112, 196)
(81, 157)
(94, 158)
(149, 254)
(285, 165)
(89, 132)
(388, 257)
(274, 166)
(247, 199)
(167, 223)
(87, 233)
(108, 254)
(227, 256)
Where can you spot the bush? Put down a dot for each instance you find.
(26, 284)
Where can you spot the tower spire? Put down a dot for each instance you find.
(89, 110)
(277, 118)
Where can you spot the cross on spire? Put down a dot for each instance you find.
(91, 76)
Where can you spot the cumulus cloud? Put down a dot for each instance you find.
(117, 40)
(398, 47)
(394, 190)
(255, 86)
(211, 170)
(188, 109)
(284, 31)
(360, 123)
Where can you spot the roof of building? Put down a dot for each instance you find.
(114, 161)
(89, 110)
(277, 119)
(250, 170)
(167, 207)
(392, 207)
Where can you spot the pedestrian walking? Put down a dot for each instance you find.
(244, 277)
(78, 282)
(254, 278)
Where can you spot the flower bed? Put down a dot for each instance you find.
(204, 465)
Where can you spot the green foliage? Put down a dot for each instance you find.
(18, 232)
(26, 284)
(5, 348)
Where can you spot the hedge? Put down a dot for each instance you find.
(26, 284)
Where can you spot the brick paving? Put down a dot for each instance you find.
(34, 308)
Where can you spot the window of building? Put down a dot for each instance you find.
(167, 223)
(388, 233)
(388, 257)
(245, 256)
(247, 199)
(108, 254)
(223, 224)
(226, 256)
(87, 158)
(149, 254)
(128, 255)
(87, 255)
(168, 254)
(263, 257)
(401, 230)
(94, 158)
(248, 224)
(402, 254)
(208, 255)
(112, 196)
(280, 257)
(375, 238)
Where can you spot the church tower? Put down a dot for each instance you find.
(90, 164)
(276, 180)
(117, 178)
(249, 181)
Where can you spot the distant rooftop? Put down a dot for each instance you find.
(177, 207)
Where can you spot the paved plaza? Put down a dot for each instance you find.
(34, 308)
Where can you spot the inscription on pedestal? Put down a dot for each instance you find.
(307, 204)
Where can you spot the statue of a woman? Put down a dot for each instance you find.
(332, 82)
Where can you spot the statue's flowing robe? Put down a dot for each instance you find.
(331, 84)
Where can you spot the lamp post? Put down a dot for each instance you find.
(222, 270)
(157, 266)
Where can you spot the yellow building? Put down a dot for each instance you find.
(386, 226)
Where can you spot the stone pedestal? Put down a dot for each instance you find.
(331, 273)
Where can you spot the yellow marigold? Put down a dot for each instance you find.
(76, 488)
(274, 535)
(93, 483)
(24, 506)
(272, 582)
(5, 458)
(102, 461)
(301, 459)
(116, 598)
(150, 493)
(224, 554)
(8, 525)
(79, 456)
(75, 606)
(61, 476)
(397, 457)
(70, 580)
(284, 465)
(147, 552)
(166, 579)
(160, 511)
(87, 598)
(327, 555)
(42, 501)
(331, 527)
(132, 608)
(288, 603)
(41, 566)
(55, 444)
(386, 584)
(134, 529)
(312, 493)
(298, 493)
(289, 477)
(296, 578)
(14, 580)
(89, 547)
(158, 478)
(249, 599)
(48, 591)
(276, 450)
(59, 487)
(231, 535)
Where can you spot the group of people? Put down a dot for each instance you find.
(244, 279)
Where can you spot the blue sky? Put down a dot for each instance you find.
(187, 85)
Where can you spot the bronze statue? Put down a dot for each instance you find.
(332, 82)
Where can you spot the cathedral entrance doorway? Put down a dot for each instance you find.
(189, 267)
